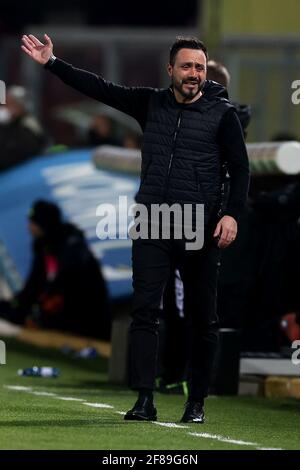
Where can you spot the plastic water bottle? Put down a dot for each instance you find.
(39, 372)
(87, 353)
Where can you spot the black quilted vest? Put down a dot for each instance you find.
(181, 158)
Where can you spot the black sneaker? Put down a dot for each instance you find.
(193, 413)
(143, 410)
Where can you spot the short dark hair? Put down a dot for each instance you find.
(186, 43)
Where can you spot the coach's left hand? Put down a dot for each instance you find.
(226, 231)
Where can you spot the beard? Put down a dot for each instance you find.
(188, 93)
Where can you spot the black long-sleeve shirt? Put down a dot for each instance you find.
(231, 140)
(134, 102)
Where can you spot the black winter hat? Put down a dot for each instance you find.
(45, 214)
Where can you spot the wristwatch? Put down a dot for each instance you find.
(50, 61)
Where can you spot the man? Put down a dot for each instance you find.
(21, 136)
(188, 128)
(65, 289)
(219, 73)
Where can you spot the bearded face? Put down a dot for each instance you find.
(188, 74)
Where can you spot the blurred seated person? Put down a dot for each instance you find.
(65, 289)
(101, 132)
(131, 141)
(21, 135)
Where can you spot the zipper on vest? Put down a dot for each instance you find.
(173, 150)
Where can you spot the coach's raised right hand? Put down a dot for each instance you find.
(38, 51)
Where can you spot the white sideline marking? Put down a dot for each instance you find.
(98, 405)
(268, 448)
(170, 425)
(42, 394)
(19, 388)
(69, 398)
(231, 441)
(222, 438)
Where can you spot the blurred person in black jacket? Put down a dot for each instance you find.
(65, 289)
(273, 286)
(217, 72)
(231, 295)
(21, 135)
(259, 275)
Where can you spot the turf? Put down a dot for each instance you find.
(30, 421)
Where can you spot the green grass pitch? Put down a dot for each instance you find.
(53, 414)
